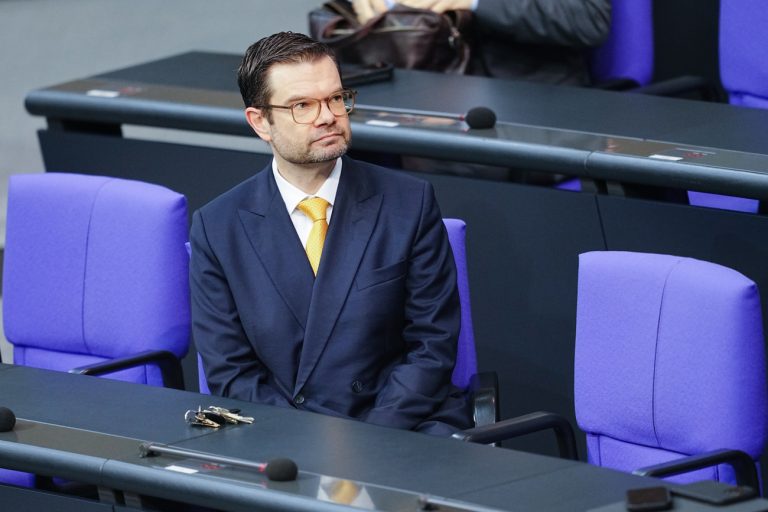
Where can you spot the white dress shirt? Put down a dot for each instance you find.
(292, 196)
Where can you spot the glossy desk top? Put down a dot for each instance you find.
(91, 429)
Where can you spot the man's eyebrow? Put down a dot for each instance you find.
(295, 98)
(291, 99)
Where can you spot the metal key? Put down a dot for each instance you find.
(230, 416)
(198, 418)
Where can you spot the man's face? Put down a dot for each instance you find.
(327, 138)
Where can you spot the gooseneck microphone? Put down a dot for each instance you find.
(278, 470)
(477, 118)
(281, 470)
(480, 118)
(7, 419)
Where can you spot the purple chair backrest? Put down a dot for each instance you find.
(723, 202)
(201, 376)
(669, 361)
(94, 269)
(466, 357)
(743, 39)
(744, 74)
(628, 51)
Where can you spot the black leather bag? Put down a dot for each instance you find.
(404, 37)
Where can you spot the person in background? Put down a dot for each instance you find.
(536, 40)
(323, 283)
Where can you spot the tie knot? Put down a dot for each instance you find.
(314, 208)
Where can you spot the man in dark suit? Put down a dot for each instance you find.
(324, 283)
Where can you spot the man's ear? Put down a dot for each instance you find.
(256, 117)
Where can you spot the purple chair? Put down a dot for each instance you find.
(627, 53)
(743, 67)
(483, 386)
(669, 365)
(669, 361)
(94, 274)
(744, 75)
(625, 61)
(95, 279)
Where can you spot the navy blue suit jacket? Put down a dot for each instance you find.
(372, 337)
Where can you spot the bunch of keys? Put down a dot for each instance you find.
(215, 417)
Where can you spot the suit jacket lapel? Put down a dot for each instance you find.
(354, 217)
(274, 239)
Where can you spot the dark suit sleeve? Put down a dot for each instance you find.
(573, 23)
(231, 366)
(418, 388)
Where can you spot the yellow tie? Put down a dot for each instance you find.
(315, 208)
(344, 491)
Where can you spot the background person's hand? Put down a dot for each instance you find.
(438, 5)
(367, 9)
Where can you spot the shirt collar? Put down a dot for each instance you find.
(292, 195)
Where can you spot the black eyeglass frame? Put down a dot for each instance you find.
(347, 108)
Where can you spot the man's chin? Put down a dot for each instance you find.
(328, 154)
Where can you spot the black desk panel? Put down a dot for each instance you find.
(59, 437)
(200, 173)
(565, 490)
(24, 499)
(733, 239)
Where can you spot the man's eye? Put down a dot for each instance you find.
(338, 98)
(302, 105)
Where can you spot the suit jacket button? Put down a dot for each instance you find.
(299, 399)
(357, 386)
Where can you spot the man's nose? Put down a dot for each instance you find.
(326, 116)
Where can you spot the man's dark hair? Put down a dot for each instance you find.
(280, 48)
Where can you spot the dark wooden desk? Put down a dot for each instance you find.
(89, 429)
(523, 241)
(590, 133)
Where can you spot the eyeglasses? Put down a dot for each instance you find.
(307, 110)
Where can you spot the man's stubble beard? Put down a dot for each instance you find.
(327, 155)
(309, 156)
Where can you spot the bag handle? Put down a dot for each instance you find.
(343, 9)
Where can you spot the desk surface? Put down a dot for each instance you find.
(90, 429)
(569, 108)
(586, 132)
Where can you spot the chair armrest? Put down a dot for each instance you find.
(742, 464)
(522, 425)
(681, 85)
(484, 392)
(616, 84)
(169, 364)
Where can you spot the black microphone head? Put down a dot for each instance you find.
(281, 470)
(7, 419)
(480, 118)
